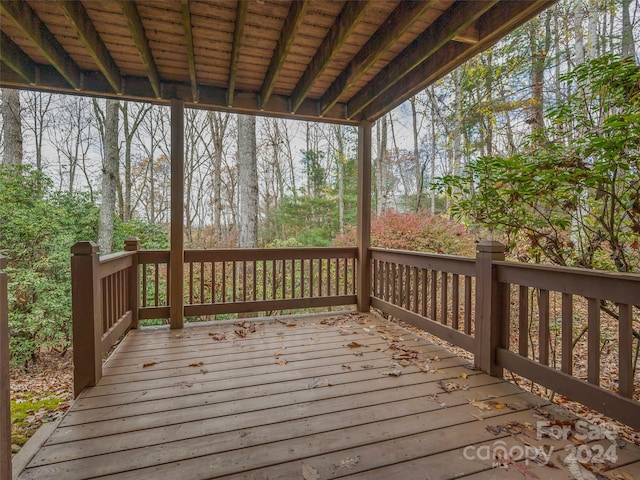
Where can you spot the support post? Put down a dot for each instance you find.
(364, 216)
(86, 314)
(176, 261)
(5, 390)
(132, 244)
(488, 332)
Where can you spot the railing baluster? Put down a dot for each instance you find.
(523, 321)
(407, 287)
(213, 282)
(244, 281)
(468, 305)
(455, 300)
(302, 292)
(319, 277)
(415, 289)
(234, 279)
(400, 285)
(444, 297)
(264, 279)
(144, 284)
(567, 333)
(543, 326)
(190, 283)
(156, 279)
(425, 280)
(311, 277)
(274, 281)
(202, 275)
(345, 264)
(224, 282)
(434, 295)
(337, 276)
(255, 281)
(293, 278)
(284, 278)
(625, 355)
(593, 341)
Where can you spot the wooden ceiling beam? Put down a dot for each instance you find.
(287, 37)
(471, 34)
(87, 33)
(491, 26)
(191, 57)
(23, 16)
(457, 18)
(396, 25)
(351, 14)
(142, 44)
(13, 56)
(241, 17)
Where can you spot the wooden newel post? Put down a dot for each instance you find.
(488, 307)
(5, 396)
(132, 244)
(86, 312)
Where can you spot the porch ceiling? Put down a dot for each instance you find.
(342, 61)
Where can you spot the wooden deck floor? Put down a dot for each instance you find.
(312, 398)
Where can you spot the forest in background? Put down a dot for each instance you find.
(535, 142)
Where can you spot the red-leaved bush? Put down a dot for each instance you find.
(418, 232)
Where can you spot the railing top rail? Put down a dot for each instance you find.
(618, 287)
(445, 263)
(112, 257)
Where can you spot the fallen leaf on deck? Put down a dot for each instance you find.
(367, 366)
(199, 364)
(404, 363)
(217, 336)
(346, 367)
(178, 336)
(318, 382)
(463, 375)
(358, 354)
(309, 473)
(348, 462)
(577, 470)
(150, 364)
(481, 405)
(620, 475)
(394, 372)
(282, 362)
(240, 333)
(448, 386)
(354, 345)
(277, 354)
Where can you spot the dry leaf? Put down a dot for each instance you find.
(218, 336)
(448, 386)
(354, 345)
(463, 375)
(240, 333)
(392, 372)
(348, 462)
(282, 362)
(481, 405)
(309, 473)
(199, 364)
(318, 382)
(346, 367)
(367, 366)
(150, 364)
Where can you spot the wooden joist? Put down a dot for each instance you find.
(142, 44)
(241, 17)
(456, 19)
(23, 16)
(17, 60)
(348, 19)
(287, 37)
(191, 58)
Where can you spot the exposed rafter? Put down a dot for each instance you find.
(191, 57)
(351, 14)
(84, 28)
(471, 34)
(287, 37)
(400, 20)
(142, 44)
(241, 16)
(17, 60)
(491, 26)
(444, 28)
(33, 28)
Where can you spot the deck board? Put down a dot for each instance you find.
(241, 412)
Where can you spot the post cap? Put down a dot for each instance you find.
(85, 248)
(490, 246)
(3, 262)
(131, 244)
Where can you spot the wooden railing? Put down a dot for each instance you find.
(432, 292)
(250, 280)
(104, 307)
(5, 391)
(544, 351)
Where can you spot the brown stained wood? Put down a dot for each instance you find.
(523, 321)
(434, 295)
(23, 16)
(288, 34)
(445, 28)
(567, 333)
(142, 44)
(363, 229)
(241, 18)
(625, 346)
(191, 57)
(593, 341)
(86, 31)
(16, 59)
(444, 297)
(401, 19)
(543, 326)
(443, 263)
(455, 301)
(347, 20)
(176, 259)
(468, 306)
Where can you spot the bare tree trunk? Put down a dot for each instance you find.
(12, 123)
(248, 181)
(109, 176)
(628, 43)
(340, 172)
(381, 168)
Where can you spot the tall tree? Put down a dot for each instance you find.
(109, 176)
(248, 182)
(382, 170)
(12, 122)
(38, 119)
